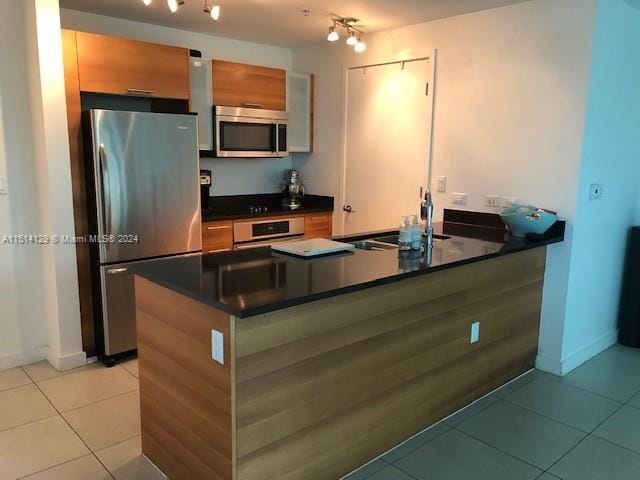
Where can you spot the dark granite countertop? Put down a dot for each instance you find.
(251, 282)
(236, 207)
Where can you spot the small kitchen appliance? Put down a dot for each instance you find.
(293, 190)
(205, 187)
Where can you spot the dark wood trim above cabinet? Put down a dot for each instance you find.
(240, 85)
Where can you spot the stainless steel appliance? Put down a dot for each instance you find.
(293, 190)
(262, 233)
(145, 172)
(250, 132)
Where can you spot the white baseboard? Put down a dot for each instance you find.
(573, 361)
(67, 362)
(23, 358)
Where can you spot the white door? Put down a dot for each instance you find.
(387, 142)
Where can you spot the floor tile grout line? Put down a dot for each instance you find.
(500, 450)
(398, 468)
(16, 387)
(111, 397)
(76, 371)
(549, 418)
(56, 414)
(614, 443)
(419, 446)
(116, 443)
(556, 378)
(59, 373)
(53, 466)
(76, 433)
(583, 439)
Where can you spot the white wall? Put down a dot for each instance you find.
(231, 176)
(40, 312)
(611, 157)
(510, 105)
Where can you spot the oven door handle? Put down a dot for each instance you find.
(274, 138)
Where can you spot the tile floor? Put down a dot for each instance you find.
(584, 426)
(85, 425)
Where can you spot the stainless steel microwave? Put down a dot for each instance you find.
(250, 132)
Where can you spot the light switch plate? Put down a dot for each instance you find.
(3, 185)
(459, 198)
(217, 346)
(475, 332)
(595, 191)
(442, 184)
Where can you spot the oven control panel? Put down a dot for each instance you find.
(271, 228)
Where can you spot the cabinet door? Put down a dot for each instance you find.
(318, 225)
(300, 107)
(217, 236)
(128, 67)
(201, 100)
(240, 85)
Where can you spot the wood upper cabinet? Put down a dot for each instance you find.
(240, 85)
(129, 67)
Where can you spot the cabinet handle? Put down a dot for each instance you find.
(218, 250)
(253, 105)
(114, 271)
(139, 91)
(223, 227)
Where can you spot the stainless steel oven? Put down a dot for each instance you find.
(250, 132)
(262, 233)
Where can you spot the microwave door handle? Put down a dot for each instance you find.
(274, 138)
(277, 130)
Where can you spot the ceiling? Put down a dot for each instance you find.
(282, 22)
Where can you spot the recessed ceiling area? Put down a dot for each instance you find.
(282, 22)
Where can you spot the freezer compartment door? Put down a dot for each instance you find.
(118, 309)
(147, 179)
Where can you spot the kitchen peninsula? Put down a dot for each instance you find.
(257, 365)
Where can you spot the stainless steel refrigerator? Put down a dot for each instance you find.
(145, 180)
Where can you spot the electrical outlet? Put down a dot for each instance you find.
(217, 346)
(442, 184)
(3, 185)
(595, 191)
(493, 201)
(475, 332)
(459, 198)
(508, 202)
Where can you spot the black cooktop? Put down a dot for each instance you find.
(232, 207)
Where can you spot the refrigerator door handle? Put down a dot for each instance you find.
(106, 204)
(114, 271)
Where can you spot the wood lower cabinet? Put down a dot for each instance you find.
(318, 225)
(128, 67)
(250, 86)
(217, 236)
(313, 391)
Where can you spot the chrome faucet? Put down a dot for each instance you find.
(426, 213)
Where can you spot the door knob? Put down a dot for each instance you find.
(348, 208)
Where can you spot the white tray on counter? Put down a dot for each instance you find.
(312, 248)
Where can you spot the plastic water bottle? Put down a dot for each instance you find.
(404, 239)
(416, 234)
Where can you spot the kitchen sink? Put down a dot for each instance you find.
(373, 245)
(393, 239)
(387, 242)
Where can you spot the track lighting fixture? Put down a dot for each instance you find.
(333, 34)
(214, 10)
(174, 5)
(354, 35)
